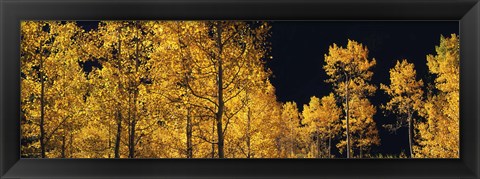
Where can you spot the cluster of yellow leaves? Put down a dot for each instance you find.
(322, 119)
(363, 127)
(406, 91)
(439, 135)
(250, 132)
(154, 94)
(406, 97)
(50, 65)
(289, 135)
(349, 69)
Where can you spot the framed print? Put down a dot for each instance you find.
(309, 89)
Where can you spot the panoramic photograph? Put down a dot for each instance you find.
(240, 89)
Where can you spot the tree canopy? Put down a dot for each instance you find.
(202, 89)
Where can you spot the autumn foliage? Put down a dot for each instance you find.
(201, 89)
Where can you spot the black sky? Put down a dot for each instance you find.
(298, 49)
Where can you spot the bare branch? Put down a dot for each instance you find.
(239, 68)
(229, 38)
(236, 94)
(205, 139)
(204, 107)
(57, 127)
(231, 116)
(198, 96)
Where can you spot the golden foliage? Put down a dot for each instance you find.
(201, 89)
(53, 88)
(407, 97)
(322, 119)
(349, 70)
(439, 135)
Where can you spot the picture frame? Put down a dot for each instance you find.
(467, 12)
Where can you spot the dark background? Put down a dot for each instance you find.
(298, 49)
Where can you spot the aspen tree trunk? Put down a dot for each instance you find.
(135, 96)
(330, 146)
(63, 144)
(248, 133)
(71, 146)
(248, 126)
(221, 104)
(129, 117)
(189, 135)
(410, 136)
(347, 115)
(329, 141)
(133, 125)
(109, 140)
(318, 144)
(213, 137)
(189, 127)
(292, 142)
(119, 113)
(131, 153)
(131, 137)
(42, 106)
(119, 133)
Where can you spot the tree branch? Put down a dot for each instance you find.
(204, 139)
(198, 96)
(56, 128)
(231, 116)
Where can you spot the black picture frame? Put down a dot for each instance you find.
(467, 12)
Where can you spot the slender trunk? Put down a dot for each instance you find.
(189, 135)
(221, 104)
(189, 126)
(129, 127)
(330, 146)
(410, 136)
(131, 153)
(129, 119)
(213, 137)
(109, 141)
(71, 146)
(292, 140)
(133, 125)
(119, 133)
(347, 114)
(135, 96)
(42, 106)
(248, 133)
(318, 144)
(220, 135)
(63, 144)
(119, 113)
